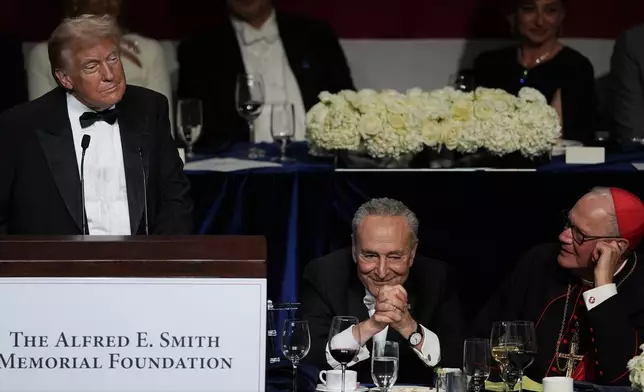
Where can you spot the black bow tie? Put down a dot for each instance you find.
(89, 118)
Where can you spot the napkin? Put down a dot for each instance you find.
(528, 385)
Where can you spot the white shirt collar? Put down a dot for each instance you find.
(76, 107)
(369, 300)
(249, 35)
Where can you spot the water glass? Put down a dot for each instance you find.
(189, 122)
(476, 362)
(296, 343)
(384, 364)
(282, 128)
(249, 101)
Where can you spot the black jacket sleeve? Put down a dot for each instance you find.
(579, 104)
(174, 206)
(616, 338)
(337, 71)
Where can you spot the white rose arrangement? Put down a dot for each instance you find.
(390, 124)
(636, 367)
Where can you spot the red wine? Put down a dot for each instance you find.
(343, 355)
(521, 359)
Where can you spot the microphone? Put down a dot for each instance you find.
(84, 144)
(145, 191)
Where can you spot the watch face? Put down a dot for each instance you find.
(415, 338)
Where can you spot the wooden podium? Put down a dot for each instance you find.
(139, 313)
(135, 256)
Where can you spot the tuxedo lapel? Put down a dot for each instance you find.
(299, 59)
(136, 153)
(57, 143)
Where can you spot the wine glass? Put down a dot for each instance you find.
(344, 341)
(384, 364)
(249, 101)
(282, 128)
(296, 342)
(521, 359)
(476, 361)
(189, 122)
(504, 339)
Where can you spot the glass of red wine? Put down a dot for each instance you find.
(344, 341)
(523, 357)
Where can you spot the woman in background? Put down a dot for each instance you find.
(143, 59)
(564, 76)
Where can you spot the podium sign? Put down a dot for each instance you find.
(132, 334)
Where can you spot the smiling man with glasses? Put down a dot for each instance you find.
(585, 294)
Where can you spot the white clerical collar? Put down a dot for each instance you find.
(249, 34)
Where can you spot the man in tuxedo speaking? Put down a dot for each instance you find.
(395, 294)
(94, 155)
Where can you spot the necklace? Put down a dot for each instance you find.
(565, 313)
(527, 67)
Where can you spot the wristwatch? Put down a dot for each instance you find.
(416, 337)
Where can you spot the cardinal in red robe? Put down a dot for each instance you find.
(585, 294)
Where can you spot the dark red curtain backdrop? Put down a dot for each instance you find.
(171, 19)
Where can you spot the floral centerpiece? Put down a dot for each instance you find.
(390, 124)
(636, 367)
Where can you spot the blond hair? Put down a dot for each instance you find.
(78, 32)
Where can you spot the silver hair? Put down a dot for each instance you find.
(385, 207)
(76, 32)
(601, 191)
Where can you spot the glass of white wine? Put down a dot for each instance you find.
(503, 341)
(384, 364)
(189, 122)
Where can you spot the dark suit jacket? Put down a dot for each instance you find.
(314, 55)
(40, 191)
(627, 84)
(330, 287)
(14, 87)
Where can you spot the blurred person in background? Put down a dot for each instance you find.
(15, 88)
(627, 85)
(297, 57)
(143, 58)
(564, 76)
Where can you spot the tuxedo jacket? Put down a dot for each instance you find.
(330, 287)
(209, 65)
(627, 84)
(40, 189)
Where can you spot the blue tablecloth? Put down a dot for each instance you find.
(478, 221)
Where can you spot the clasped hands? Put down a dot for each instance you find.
(392, 310)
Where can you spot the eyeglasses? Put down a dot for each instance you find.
(579, 236)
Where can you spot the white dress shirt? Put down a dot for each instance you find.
(263, 53)
(105, 189)
(430, 351)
